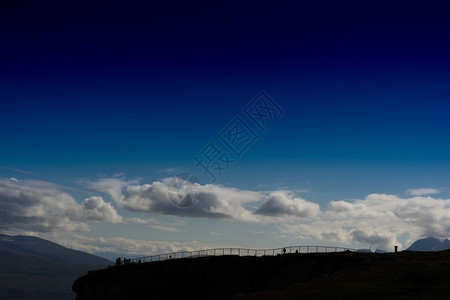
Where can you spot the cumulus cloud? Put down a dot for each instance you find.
(284, 203)
(379, 240)
(378, 220)
(422, 191)
(96, 209)
(38, 206)
(42, 206)
(111, 186)
(214, 201)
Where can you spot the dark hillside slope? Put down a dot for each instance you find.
(38, 247)
(402, 275)
(34, 268)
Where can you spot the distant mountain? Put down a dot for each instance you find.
(34, 268)
(445, 245)
(430, 244)
(370, 251)
(38, 247)
(364, 250)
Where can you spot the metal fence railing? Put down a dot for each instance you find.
(240, 252)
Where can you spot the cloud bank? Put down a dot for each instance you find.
(40, 206)
(378, 220)
(214, 201)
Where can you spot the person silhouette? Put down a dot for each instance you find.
(284, 250)
(118, 261)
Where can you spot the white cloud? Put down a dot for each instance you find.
(378, 220)
(96, 209)
(379, 240)
(165, 228)
(284, 203)
(140, 220)
(423, 191)
(42, 206)
(110, 186)
(214, 201)
(18, 170)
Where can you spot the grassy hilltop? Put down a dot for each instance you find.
(347, 275)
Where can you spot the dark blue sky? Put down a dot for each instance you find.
(107, 81)
(95, 89)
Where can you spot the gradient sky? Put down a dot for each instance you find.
(101, 104)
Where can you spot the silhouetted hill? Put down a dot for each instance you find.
(34, 268)
(429, 244)
(346, 275)
(445, 245)
(45, 249)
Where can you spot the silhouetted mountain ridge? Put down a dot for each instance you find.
(430, 244)
(35, 268)
(49, 250)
